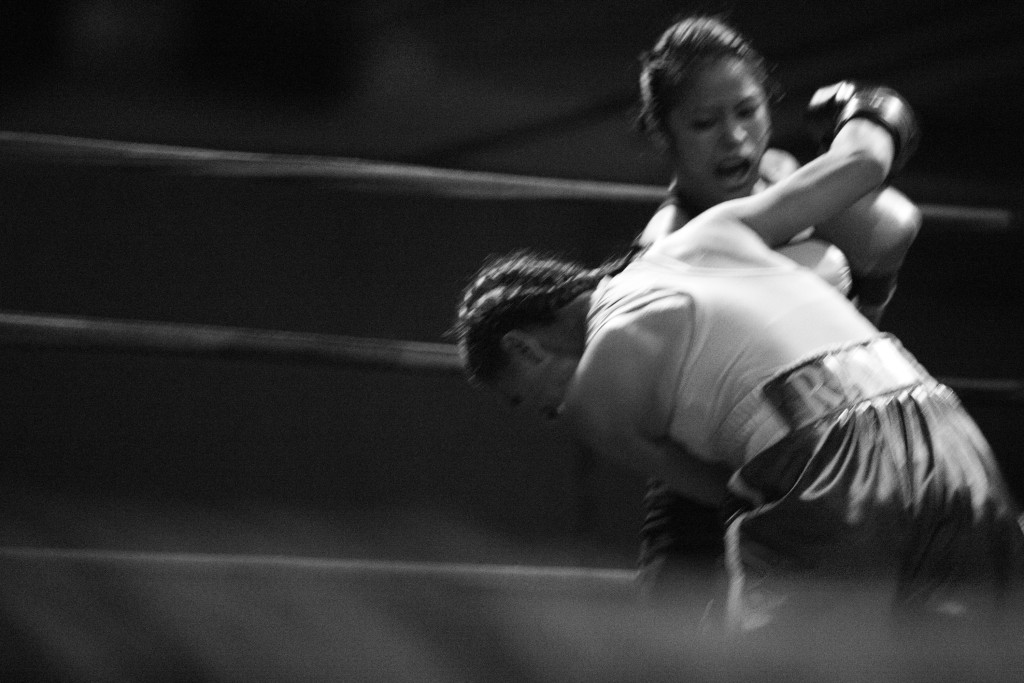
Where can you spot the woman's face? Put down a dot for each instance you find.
(719, 131)
(536, 379)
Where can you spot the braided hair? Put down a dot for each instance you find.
(668, 69)
(515, 292)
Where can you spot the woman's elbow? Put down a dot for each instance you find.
(910, 224)
(874, 163)
(869, 146)
(903, 224)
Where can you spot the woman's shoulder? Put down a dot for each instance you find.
(629, 339)
(666, 220)
(715, 237)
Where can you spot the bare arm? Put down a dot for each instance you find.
(775, 164)
(886, 223)
(856, 164)
(604, 430)
(700, 481)
(620, 400)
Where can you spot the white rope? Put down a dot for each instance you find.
(491, 573)
(29, 330)
(355, 174)
(384, 177)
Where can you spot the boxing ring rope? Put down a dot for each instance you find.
(351, 174)
(493, 575)
(41, 331)
(373, 176)
(80, 333)
(212, 594)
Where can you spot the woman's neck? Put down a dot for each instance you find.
(568, 333)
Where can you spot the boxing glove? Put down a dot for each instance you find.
(831, 107)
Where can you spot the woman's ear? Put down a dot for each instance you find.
(524, 346)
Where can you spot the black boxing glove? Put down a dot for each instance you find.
(831, 107)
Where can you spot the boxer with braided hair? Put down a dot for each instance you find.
(746, 382)
(513, 291)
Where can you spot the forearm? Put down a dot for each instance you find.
(700, 481)
(856, 164)
(687, 475)
(876, 232)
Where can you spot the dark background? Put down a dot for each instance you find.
(535, 87)
(127, 451)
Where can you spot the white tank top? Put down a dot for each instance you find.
(712, 322)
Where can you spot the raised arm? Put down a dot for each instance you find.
(774, 165)
(877, 231)
(870, 133)
(857, 163)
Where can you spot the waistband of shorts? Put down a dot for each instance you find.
(814, 388)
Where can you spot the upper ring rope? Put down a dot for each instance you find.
(381, 177)
(355, 174)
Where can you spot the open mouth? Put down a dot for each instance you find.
(734, 171)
